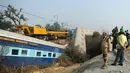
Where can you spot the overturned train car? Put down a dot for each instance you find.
(17, 50)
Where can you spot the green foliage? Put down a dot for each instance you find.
(14, 14)
(11, 15)
(52, 28)
(47, 26)
(55, 27)
(4, 24)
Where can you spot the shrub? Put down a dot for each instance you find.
(74, 53)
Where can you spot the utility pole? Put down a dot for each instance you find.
(62, 25)
(56, 16)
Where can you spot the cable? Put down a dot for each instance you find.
(36, 15)
(3, 6)
(31, 14)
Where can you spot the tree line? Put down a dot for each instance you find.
(55, 27)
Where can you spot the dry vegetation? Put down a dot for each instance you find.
(74, 54)
(22, 69)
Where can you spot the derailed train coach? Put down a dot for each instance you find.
(19, 50)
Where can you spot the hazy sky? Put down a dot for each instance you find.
(94, 14)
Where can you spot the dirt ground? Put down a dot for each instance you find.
(94, 65)
(58, 69)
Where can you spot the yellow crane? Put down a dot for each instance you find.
(41, 32)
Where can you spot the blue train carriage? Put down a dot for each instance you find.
(18, 50)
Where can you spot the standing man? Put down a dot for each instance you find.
(105, 46)
(121, 46)
(111, 41)
(127, 34)
(115, 35)
(128, 37)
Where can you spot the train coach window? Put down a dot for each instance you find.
(15, 51)
(38, 53)
(24, 52)
(49, 54)
(54, 55)
(44, 55)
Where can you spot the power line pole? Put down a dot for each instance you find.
(56, 16)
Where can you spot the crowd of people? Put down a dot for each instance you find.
(119, 41)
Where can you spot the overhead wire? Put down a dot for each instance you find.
(32, 14)
(40, 17)
(37, 16)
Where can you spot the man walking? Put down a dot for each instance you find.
(121, 46)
